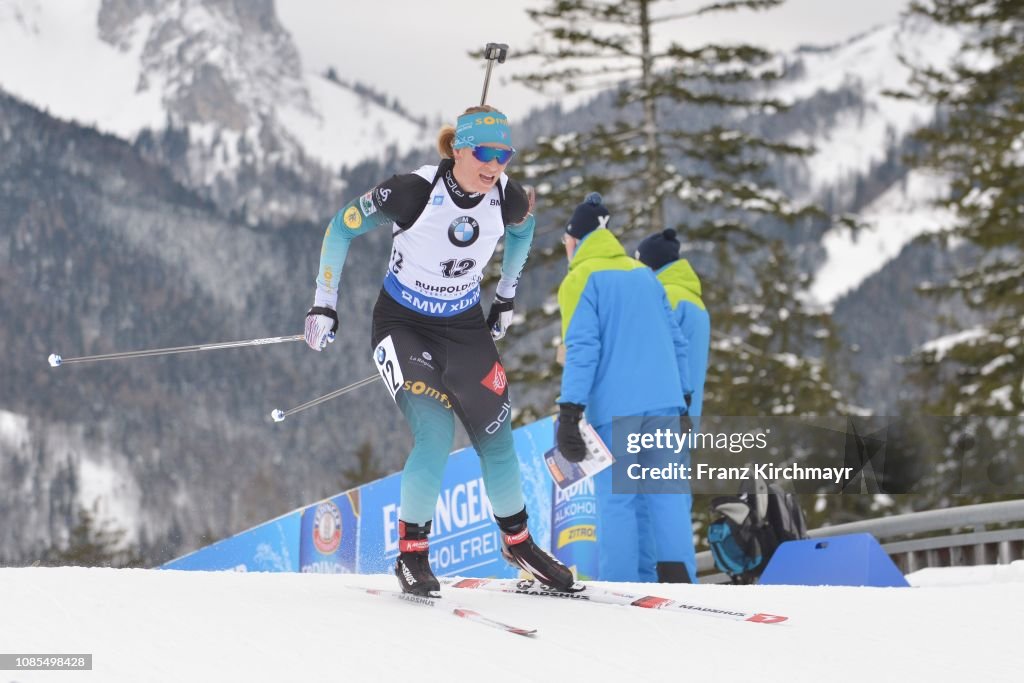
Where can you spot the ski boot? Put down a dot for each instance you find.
(413, 564)
(518, 548)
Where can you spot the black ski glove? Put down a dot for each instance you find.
(685, 423)
(568, 438)
(499, 317)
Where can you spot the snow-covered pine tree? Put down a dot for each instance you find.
(980, 145)
(93, 542)
(774, 354)
(670, 144)
(674, 152)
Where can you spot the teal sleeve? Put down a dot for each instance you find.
(347, 224)
(518, 239)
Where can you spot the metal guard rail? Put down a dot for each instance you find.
(947, 549)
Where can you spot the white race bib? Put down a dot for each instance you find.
(386, 359)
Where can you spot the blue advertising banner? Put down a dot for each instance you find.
(357, 531)
(270, 547)
(531, 442)
(464, 539)
(330, 535)
(574, 523)
(378, 525)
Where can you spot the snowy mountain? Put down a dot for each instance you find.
(224, 77)
(860, 133)
(890, 223)
(840, 106)
(855, 140)
(172, 449)
(168, 626)
(149, 234)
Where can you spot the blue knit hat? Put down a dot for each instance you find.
(659, 249)
(588, 217)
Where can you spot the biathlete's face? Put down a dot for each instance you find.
(478, 168)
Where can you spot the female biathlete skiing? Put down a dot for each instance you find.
(430, 341)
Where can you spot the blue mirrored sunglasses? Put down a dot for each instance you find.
(486, 154)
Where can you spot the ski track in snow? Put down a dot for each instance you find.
(155, 626)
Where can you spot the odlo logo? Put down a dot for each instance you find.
(495, 425)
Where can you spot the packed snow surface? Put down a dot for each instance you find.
(155, 626)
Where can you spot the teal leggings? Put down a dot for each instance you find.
(433, 430)
(448, 367)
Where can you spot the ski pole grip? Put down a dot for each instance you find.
(496, 51)
(492, 52)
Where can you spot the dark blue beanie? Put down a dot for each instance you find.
(659, 249)
(588, 217)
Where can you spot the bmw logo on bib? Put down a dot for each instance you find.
(463, 231)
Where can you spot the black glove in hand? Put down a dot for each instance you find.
(685, 423)
(499, 317)
(568, 437)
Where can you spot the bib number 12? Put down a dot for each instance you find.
(386, 359)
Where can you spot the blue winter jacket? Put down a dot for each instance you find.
(684, 295)
(624, 353)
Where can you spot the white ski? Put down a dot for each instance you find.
(457, 610)
(611, 597)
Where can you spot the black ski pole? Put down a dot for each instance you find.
(56, 360)
(278, 415)
(493, 51)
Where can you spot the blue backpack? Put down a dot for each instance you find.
(748, 527)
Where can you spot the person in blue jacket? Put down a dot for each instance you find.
(660, 253)
(624, 357)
